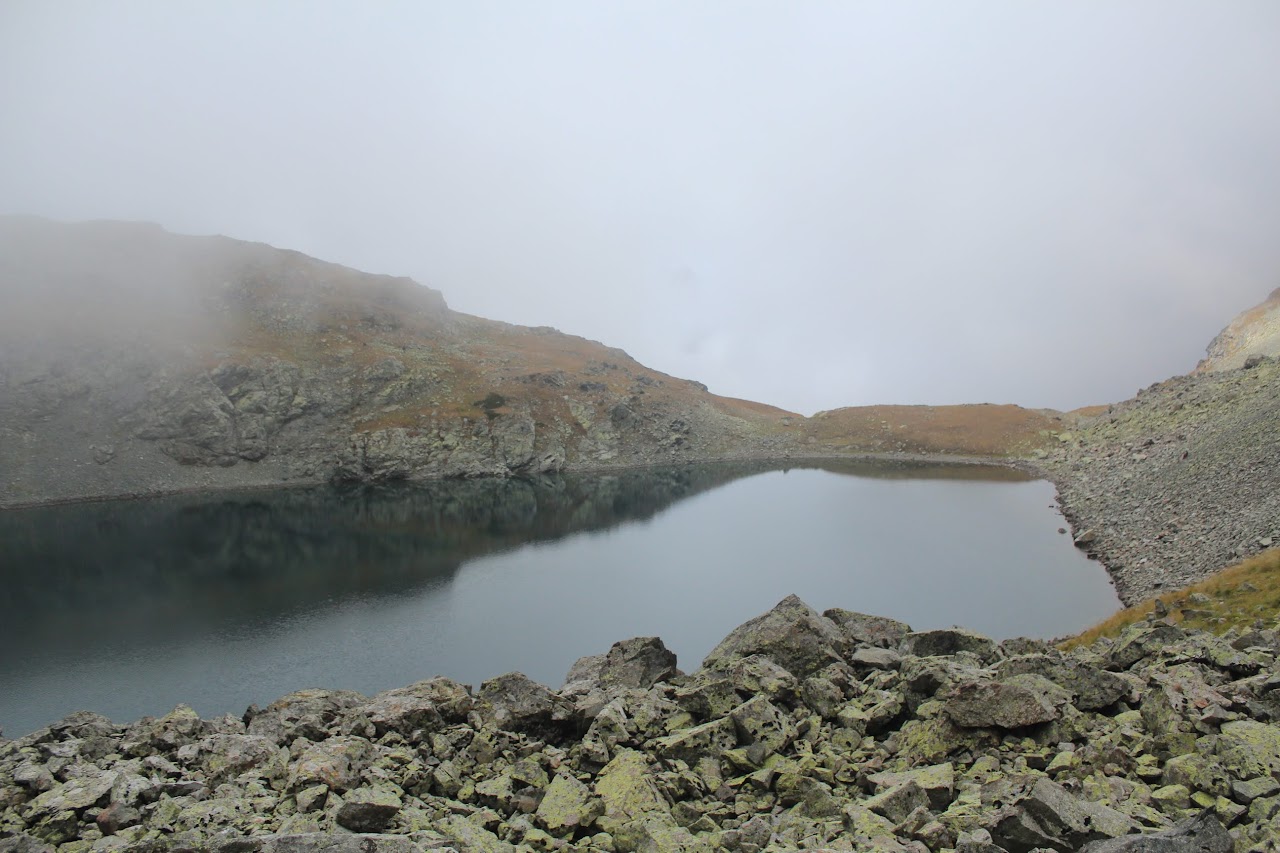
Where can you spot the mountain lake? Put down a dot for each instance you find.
(226, 599)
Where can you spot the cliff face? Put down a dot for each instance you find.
(133, 360)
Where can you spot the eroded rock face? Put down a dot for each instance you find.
(1043, 750)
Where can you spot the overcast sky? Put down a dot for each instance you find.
(811, 204)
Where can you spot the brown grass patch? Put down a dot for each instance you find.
(968, 430)
(1233, 598)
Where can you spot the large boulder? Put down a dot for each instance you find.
(1203, 833)
(1002, 705)
(1046, 815)
(519, 704)
(305, 713)
(792, 634)
(635, 664)
(949, 641)
(862, 629)
(426, 706)
(1091, 688)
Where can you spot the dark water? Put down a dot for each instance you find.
(129, 608)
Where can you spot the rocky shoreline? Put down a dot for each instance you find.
(835, 731)
(1177, 483)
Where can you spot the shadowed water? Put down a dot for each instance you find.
(131, 607)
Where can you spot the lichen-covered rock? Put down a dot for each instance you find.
(982, 704)
(949, 641)
(1047, 815)
(567, 806)
(517, 703)
(792, 634)
(1092, 688)
(420, 708)
(336, 763)
(369, 809)
(938, 781)
(627, 790)
(305, 713)
(864, 629)
(1203, 833)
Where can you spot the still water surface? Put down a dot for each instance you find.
(219, 601)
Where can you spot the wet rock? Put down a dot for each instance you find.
(792, 634)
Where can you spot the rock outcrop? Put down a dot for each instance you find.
(1250, 337)
(787, 739)
(135, 361)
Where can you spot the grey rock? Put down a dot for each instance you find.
(1203, 833)
(1092, 688)
(876, 658)
(863, 629)
(949, 641)
(1049, 816)
(424, 707)
(519, 704)
(305, 713)
(982, 704)
(368, 809)
(792, 634)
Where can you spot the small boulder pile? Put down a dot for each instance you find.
(800, 731)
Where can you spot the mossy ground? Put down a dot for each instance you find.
(1236, 597)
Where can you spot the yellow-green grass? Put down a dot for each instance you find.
(1236, 598)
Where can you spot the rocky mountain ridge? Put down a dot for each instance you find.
(138, 361)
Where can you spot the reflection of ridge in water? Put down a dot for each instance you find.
(219, 600)
(189, 565)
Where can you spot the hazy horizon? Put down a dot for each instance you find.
(813, 205)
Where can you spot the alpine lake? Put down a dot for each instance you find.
(221, 600)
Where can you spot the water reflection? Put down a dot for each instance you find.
(219, 600)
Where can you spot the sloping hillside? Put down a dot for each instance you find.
(134, 360)
(970, 430)
(1255, 332)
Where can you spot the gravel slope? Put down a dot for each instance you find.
(1178, 482)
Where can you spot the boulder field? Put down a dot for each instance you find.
(800, 731)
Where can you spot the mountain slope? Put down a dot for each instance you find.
(134, 360)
